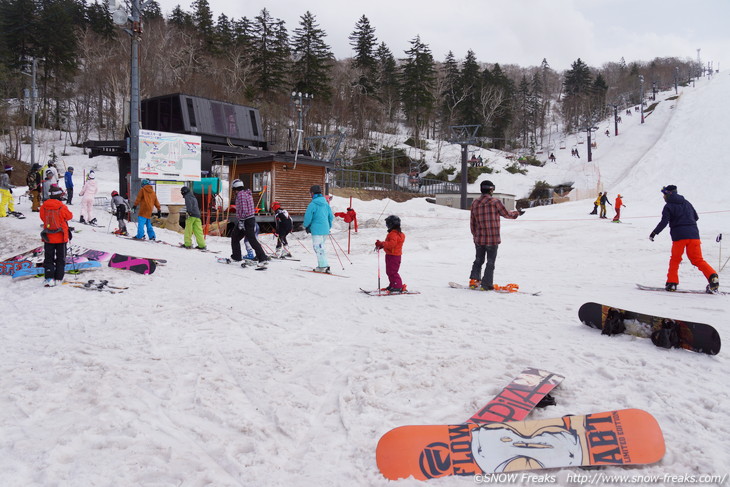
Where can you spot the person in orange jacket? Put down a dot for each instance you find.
(55, 216)
(146, 200)
(617, 206)
(393, 246)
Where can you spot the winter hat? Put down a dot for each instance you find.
(184, 190)
(55, 191)
(669, 189)
(49, 173)
(237, 184)
(315, 189)
(486, 186)
(8, 168)
(275, 205)
(92, 175)
(145, 182)
(115, 193)
(70, 168)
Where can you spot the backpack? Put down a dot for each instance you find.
(53, 223)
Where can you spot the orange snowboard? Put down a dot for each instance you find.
(623, 437)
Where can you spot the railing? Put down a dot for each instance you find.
(383, 181)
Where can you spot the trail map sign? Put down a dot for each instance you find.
(169, 157)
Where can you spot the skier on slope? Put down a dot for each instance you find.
(146, 200)
(245, 225)
(318, 220)
(682, 219)
(193, 223)
(284, 225)
(120, 208)
(484, 223)
(87, 193)
(393, 247)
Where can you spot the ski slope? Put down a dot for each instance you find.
(204, 374)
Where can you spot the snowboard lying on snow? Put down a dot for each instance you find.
(664, 332)
(622, 437)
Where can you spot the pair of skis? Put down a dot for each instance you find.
(496, 440)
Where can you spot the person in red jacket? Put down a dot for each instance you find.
(393, 246)
(617, 206)
(55, 235)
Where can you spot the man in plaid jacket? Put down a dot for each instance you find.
(484, 222)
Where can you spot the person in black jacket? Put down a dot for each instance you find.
(604, 201)
(284, 225)
(682, 218)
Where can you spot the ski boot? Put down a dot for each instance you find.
(322, 270)
(474, 283)
(92, 221)
(81, 220)
(714, 284)
(670, 286)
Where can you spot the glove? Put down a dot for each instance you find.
(159, 214)
(379, 244)
(651, 236)
(306, 229)
(134, 208)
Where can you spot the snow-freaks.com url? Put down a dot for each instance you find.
(604, 478)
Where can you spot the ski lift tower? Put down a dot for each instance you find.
(463, 135)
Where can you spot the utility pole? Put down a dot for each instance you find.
(641, 96)
(464, 135)
(33, 97)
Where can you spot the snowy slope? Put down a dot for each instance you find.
(205, 374)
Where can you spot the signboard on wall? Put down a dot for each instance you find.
(169, 157)
(168, 192)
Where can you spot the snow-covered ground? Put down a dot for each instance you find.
(210, 375)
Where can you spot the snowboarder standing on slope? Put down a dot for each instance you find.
(146, 200)
(484, 223)
(318, 221)
(246, 224)
(193, 224)
(393, 247)
(87, 193)
(595, 205)
(34, 187)
(68, 179)
(682, 219)
(604, 202)
(617, 206)
(55, 216)
(7, 205)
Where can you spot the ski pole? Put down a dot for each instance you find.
(338, 255)
(338, 245)
(378, 270)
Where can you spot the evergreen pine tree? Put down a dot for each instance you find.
(363, 42)
(387, 80)
(470, 85)
(418, 80)
(17, 31)
(311, 71)
(181, 19)
(270, 44)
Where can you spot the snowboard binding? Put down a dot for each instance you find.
(614, 324)
(667, 336)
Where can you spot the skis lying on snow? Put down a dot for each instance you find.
(385, 292)
(91, 285)
(244, 263)
(681, 291)
(622, 437)
(664, 332)
(101, 283)
(508, 289)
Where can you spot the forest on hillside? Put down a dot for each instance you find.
(83, 78)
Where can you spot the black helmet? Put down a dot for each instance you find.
(486, 186)
(392, 222)
(184, 190)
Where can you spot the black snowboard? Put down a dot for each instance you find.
(664, 332)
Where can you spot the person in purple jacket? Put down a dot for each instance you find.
(246, 225)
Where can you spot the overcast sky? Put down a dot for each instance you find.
(519, 32)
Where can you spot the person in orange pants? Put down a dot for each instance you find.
(682, 218)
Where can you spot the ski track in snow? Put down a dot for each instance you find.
(205, 374)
